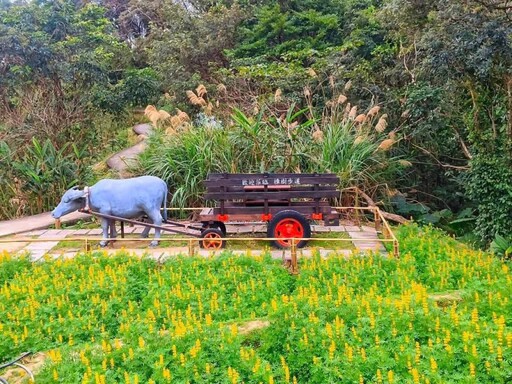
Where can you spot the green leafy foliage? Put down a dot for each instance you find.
(489, 186)
(41, 174)
(438, 313)
(502, 247)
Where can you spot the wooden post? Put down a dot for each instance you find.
(57, 224)
(295, 267)
(190, 248)
(86, 245)
(396, 251)
(376, 215)
(122, 229)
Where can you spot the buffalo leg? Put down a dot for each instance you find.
(156, 218)
(104, 227)
(145, 232)
(113, 232)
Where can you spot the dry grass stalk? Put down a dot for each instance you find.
(360, 118)
(332, 82)
(392, 135)
(252, 326)
(405, 114)
(373, 111)
(307, 91)
(348, 85)
(386, 144)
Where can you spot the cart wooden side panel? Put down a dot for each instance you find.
(258, 197)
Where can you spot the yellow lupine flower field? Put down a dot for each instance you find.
(442, 313)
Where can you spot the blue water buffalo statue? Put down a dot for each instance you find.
(126, 198)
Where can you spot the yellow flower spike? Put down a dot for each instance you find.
(433, 364)
(379, 377)
(415, 376)
(361, 379)
(332, 349)
(166, 373)
(417, 356)
(142, 343)
(55, 375)
(472, 370)
(363, 354)
(491, 346)
(130, 353)
(391, 377)
(488, 366)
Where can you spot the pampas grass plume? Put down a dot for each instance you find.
(353, 112)
(221, 88)
(405, 163)
(277, 95)
(318, 136)
(359, 140)
(386, 144)
(373, 111)
(360, 118)
(194, 99)
(341, 99)
(201, 90)
(381, 125)
(348, 108)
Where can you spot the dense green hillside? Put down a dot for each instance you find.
(71, 73)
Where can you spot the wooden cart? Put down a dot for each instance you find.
(287, 202)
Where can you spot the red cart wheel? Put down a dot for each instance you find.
(288, 224)
(212, 239)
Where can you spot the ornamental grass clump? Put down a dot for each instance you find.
(355, 146)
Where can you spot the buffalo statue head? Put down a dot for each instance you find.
(72, 200)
